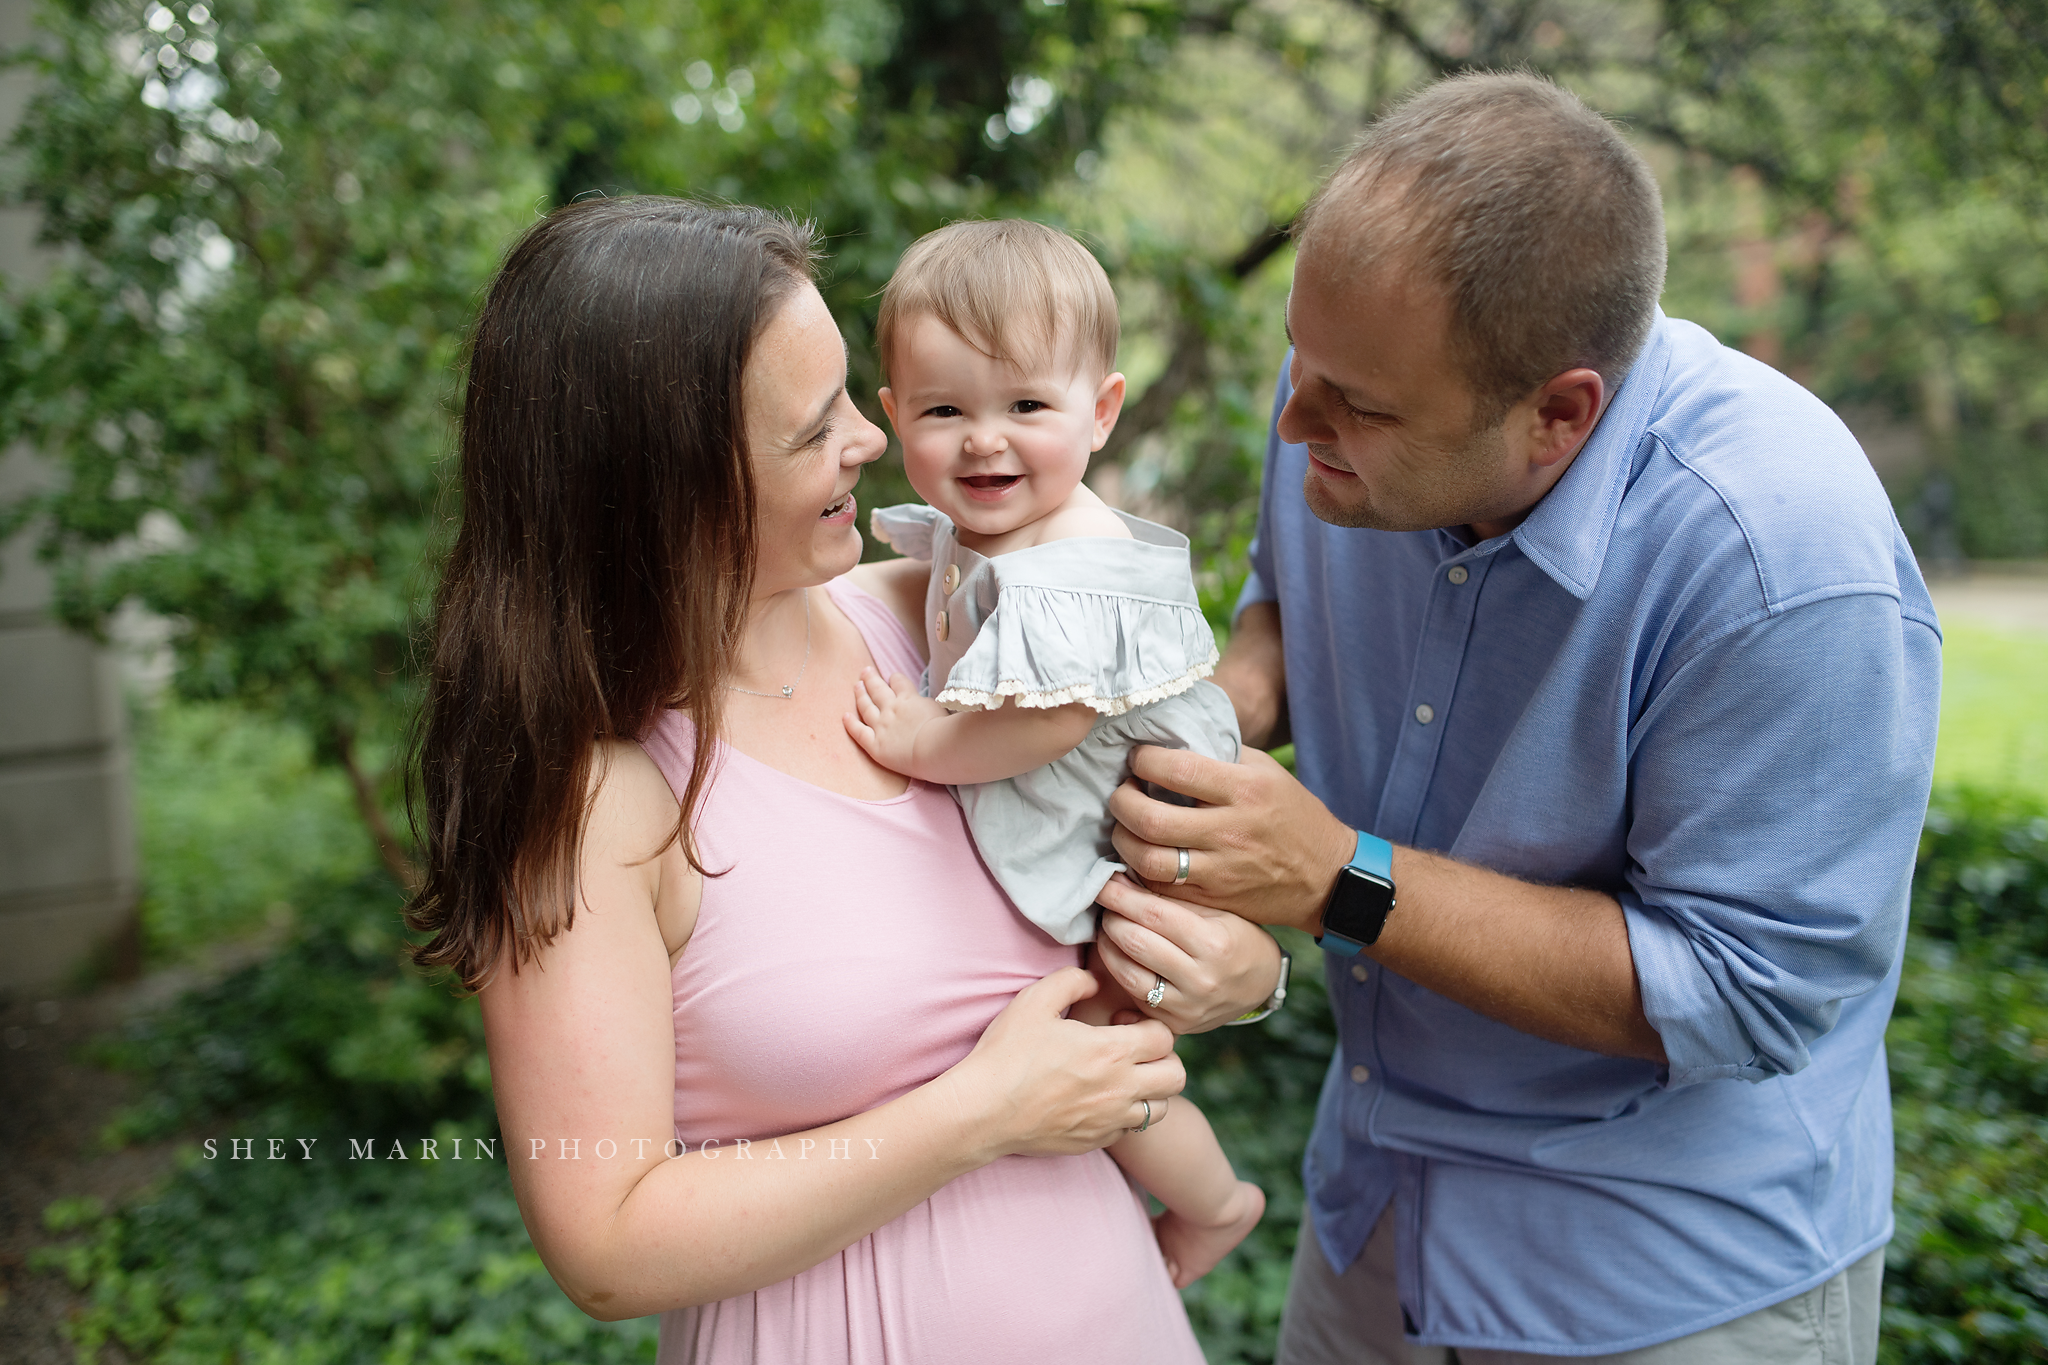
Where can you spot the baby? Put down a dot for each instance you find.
(1061, 632)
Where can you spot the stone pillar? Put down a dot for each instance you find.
(67, 833)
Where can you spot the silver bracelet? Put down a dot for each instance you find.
(1273, 1001)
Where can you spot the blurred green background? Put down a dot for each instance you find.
(273, 222)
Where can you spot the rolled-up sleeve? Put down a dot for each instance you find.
(1779, 778)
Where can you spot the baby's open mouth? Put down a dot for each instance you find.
(844, 504)
(990, 481)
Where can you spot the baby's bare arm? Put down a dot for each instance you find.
(919, 738)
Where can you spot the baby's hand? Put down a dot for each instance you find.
(886, 717)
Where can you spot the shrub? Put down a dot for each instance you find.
(1966, 1277)
(235, 818)
(334, 1030)
(346, 1261)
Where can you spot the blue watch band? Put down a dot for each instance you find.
(1374, 856)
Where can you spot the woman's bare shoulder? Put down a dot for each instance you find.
(627, 791)
(630, 843)
(900, 583)
(633, 888)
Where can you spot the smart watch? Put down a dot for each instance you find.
(1361, 899)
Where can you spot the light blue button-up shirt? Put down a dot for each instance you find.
(1701, 676)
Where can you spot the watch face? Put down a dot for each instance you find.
(1358, 905)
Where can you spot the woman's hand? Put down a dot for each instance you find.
(1216, 966)
(1044, 1085)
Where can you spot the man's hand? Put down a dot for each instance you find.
(1261, 845)
(886, 717)
(1551, 961)
(1216, 966)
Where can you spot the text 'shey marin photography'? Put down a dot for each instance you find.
(560, 1149)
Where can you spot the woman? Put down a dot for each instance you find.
(771, 1053)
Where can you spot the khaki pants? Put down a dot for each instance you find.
(1355, 1319)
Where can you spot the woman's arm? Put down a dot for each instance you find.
(900, 584)
(919, 738)
(583, 1064)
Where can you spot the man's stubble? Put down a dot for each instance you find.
(1466, 483)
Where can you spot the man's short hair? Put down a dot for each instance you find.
(1016, 290)
(1543, 226)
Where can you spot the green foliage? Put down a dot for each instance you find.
(334, 1030)
(1904, 148)
(1967, 1272)
(333, 1260)
(234, 818)
(1983, 876)
(1258, 1086)
(282, 216)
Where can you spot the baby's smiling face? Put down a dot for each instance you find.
(993, 446)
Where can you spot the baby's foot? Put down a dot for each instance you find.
(1192, 1249)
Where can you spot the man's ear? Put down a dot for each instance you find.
(889, 407)
(1109, 405)
(1565, 411)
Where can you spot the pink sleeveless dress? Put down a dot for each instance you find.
(855, 950)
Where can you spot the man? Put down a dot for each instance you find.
(1610, 633)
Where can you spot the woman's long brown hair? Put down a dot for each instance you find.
(606, 549)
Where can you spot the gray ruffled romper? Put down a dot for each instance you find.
(1112, 623)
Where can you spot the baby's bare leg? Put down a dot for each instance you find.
(1208, 1209)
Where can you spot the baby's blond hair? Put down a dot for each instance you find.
(1013, 289)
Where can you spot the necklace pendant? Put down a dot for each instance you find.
(789, 691)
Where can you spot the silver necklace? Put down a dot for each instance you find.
(789, 691)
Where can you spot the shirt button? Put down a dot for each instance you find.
(1424, 713)
(1457, 574)
(952, 578)
(1358, 971)
(1361, 1074)
(939, 626)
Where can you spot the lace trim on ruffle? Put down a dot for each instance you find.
(974, 699)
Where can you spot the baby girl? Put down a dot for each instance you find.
(1061, 632)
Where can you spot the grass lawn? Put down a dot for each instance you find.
(1994, 708)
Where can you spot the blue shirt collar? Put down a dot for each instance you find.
(1567, 532)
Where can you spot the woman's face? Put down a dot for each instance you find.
(807, 442)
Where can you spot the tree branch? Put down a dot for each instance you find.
(396, 860)
(1185, 366)
(1771, 169)
(1396, 22)
(1188, 363)
(1260, 249)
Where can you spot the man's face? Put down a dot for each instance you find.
(1382, 405)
